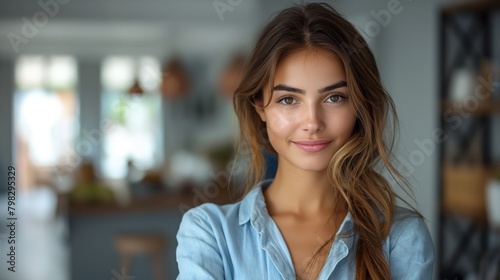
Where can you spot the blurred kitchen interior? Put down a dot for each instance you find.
(117, 117)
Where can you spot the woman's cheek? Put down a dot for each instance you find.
(280, 121)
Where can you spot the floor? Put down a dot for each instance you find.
(41, 238)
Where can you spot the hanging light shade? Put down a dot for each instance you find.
(136, 88)
(231, 76)
(174, 80)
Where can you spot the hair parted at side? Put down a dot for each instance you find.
(352, 170)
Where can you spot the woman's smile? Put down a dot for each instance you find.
(313, 145)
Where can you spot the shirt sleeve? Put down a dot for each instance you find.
(198, 256)
(412, 253)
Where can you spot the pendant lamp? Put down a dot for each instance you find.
(174, 82)
(136, 89)
(231, 75)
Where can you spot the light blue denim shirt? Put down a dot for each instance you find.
(241, 241)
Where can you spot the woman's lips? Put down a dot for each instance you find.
(312, 145)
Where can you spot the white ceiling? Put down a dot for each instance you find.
(95, 28)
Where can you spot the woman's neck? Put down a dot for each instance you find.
(302, 194)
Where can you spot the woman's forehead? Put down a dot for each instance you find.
(309, 66)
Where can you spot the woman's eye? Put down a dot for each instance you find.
(336, 98)
(287, 100)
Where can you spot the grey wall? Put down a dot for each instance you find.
(6, 120)
(89, 95)
(408, 63)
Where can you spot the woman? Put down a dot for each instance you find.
(311, 93)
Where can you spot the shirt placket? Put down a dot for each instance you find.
(270, 242)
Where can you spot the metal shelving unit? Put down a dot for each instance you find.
(465, 159)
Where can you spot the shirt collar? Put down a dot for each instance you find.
(252, 201)
(253, 208)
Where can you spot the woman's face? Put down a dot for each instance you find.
(309, 117)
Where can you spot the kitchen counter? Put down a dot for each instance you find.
(158, 201)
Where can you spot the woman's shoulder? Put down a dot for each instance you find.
(203, 238)
(221, 215)
(408, 225)
(403, 218)
(213, 213)
(410, 248)
(225, 214)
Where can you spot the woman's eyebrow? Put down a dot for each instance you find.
(301, 91)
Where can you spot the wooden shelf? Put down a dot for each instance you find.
(483, 109)
(464, 190)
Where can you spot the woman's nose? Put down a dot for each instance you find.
(312, 118)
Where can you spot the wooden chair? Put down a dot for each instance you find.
(131, 245)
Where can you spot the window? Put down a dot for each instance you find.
(136, 134)
(45, 116)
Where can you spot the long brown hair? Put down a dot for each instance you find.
(354, 171)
